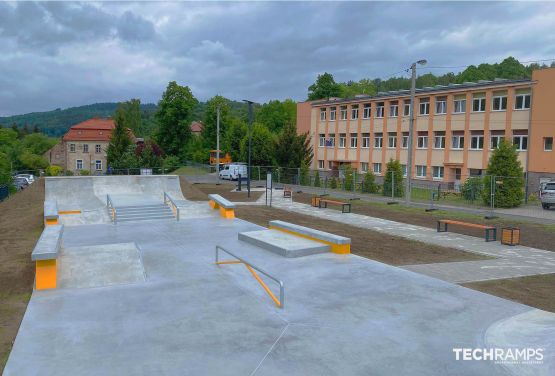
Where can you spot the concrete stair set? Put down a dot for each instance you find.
(141, 213)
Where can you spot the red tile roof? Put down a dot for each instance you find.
(196, 127)
(95, 129)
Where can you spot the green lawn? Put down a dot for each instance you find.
(190, 170)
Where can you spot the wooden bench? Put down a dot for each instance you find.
(227, 208)
(45, 255)
(338, 244)
(490, 231)
(344, 205)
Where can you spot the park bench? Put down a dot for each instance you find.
(45, 255)
(50, 213)
(227, 208)
(490, 231)
(338, 244)
(345, 206)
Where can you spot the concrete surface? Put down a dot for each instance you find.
(332, 238)
(48, 245)
(283, 244)
(50, 210)
(222, 201)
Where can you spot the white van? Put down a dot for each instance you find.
(233, 170)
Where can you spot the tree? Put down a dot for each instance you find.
(349, 178)
(325, 87)
(511, 68)
(292, 150)
(37, 143)
(210, 120)
(505, 167)
(393, 179)
(149, 154)
(369, 183)
(132, 115)
(234, 135)
(262, 152)
(120, 142)
(333, 183)
(276, 114)
(305, 174)
(174, 119)
(317, 179)
(32, 161)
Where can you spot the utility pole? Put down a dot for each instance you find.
(218, 143)
(250, 148)
(411, 130)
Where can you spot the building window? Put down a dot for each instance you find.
(479, 103)
(98, 165)
(475, 172)
(364, 166)
(367, 111)
(332, 113)
(420, 171)
(98, 149)
(342, 140)
(343, 112)
(366, 140)
(320, 164)
(496, 138)
(437, 172)
(521, 142)
(322, 114)
(422, 142)
(441, 105)
(424, 106)
(477, 141)
(522, 101)
(79, 164)
(322, 142)
(439, 140)
(354, 112)
(405, 141)
(377, 168)
(459, 105)
(406, 107)
(378, 140)
(392, 140)
(379, 110)
(330, 165)
(331, 141)
(457, 140)
(72, 148)
(404, 168)
(85, 148)
(548, 144)
(499, 103)
(393, 109)
(354, 140)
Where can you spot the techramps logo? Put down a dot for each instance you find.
(525, 355)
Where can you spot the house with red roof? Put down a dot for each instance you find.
(196, 128)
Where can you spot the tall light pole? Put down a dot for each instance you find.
(408, 183)
(218, 143)
(250, 145)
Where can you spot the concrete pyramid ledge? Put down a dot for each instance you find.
(283, 244)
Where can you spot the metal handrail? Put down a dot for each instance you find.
(173, 203)
(111, 207)
(250, 267)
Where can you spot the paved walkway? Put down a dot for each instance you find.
(509, 262)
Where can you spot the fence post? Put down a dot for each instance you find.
(392, 185)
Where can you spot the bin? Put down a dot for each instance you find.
(510, 236)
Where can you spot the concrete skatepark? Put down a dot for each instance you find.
(145, 296)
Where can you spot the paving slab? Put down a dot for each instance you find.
(283, 244)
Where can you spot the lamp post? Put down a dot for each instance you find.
(218, 144)
(411, 129)
(250, 145)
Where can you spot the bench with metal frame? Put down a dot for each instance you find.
(490, 231)
(251, 268)
(333, 202)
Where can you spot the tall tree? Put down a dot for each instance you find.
(234, 135)
(393, 179)
(120, 142)
(132, 115)
(276, 114)
(210, 120)
(174, 119)
(324, 87)
(292, 150)
(262, 151)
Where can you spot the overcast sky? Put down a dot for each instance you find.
(67, 54)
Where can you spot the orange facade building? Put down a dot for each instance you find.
(456, 128)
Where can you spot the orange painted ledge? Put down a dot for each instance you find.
(45, 274)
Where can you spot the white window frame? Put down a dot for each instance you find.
(501, 105)
(495, 139)
(391, 141)
(366, 140)
(545, 144)
(321, 164)
(331, 137)
(77, 163)
(342, 140)
(438, 172)
(343, 112)
(322, 140)
(525, 97)
(459, 106)
(404, 169)
(367, 111)
(441, 107)
(333, 113)
(406, 109)
(377, 168)
(481, 106)
(379, 112)
(521, 138)
(457, 142)
(422, 142)
(424, 106)
(441, 139)
(98, 148)
(378, 140)
(421, 171)
(323, 114)
(354, 113)
(393, 110)
(354, 140)
(97, 163)
(364, 166)
(405, 142)
(475, 141)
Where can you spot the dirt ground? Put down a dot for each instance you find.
(370, 244)
(21, 224)
(532, 234)
(535, 291)
(200, 192)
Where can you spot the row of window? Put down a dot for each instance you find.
(97, 148)
(97, 165)
(420, 170)
(499, 103)
(520, 140)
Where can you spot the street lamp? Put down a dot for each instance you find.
(250, 143)
(411, 129)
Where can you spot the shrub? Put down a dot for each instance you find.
(369, 183)
(54, 170)
(393, 176)
(333, 183)
(349, 178)
(84, 172)
(472, 188)
(305, 177)
(317, 179)
(68, 173)
(171, 163)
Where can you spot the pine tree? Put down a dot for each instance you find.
(348, 178)
(507, 171)
(369, 183)
(393, 176)
(120, 141)
(305, 177)
(317, 179)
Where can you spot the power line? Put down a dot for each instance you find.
(466, 66)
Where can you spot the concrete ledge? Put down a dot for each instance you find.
(221, 201)
(50, 213)
(338, 244)
(283, 244)
(48, 245)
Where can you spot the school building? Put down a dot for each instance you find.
(456, 128)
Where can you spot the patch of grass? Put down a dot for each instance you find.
(190, 170)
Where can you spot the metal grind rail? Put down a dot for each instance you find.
(251, 268)
(175, 208)
(111, 208)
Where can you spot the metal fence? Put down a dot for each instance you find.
(4, 192)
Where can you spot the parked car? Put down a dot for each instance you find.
(29, 177)
(20, 183)
(547, 194)
(233, 170)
